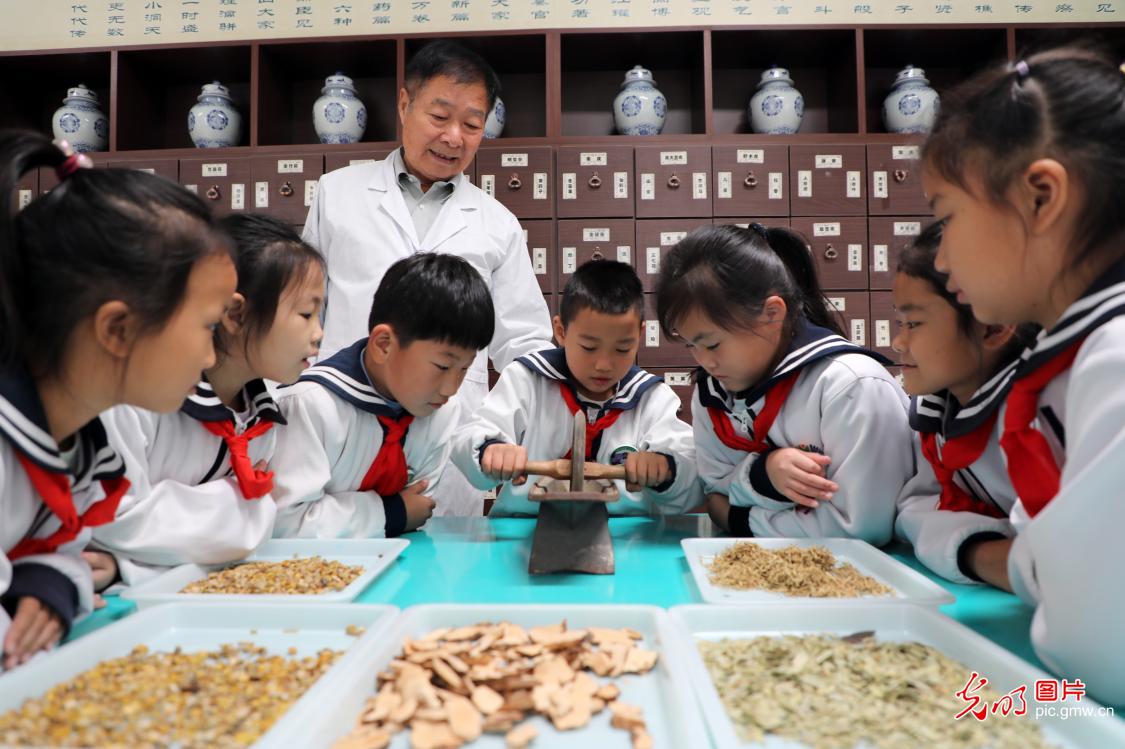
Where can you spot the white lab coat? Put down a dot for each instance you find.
(360, 222)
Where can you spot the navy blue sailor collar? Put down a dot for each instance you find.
(551, 363)
(344, 375)
(205, 405)
(1101, 302)
(940, 413)
(810, 344)
(23, 422)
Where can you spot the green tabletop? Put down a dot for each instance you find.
(484, 560)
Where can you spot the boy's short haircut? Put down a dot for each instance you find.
(605, 286)
(435, 297)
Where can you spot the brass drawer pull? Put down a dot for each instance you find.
(213, 192)
(286, 189)
(514, 183)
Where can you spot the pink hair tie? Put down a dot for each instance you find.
(1023, 70)
(73, 162)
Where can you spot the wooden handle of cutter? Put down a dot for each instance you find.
(560, 469)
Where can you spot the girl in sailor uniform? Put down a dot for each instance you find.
(631, 415)
(1028, 161)
(798, 431)
(200, 483)
(955, 509)
(369, 428)
(110, 285)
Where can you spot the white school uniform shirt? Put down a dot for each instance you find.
(24, 431)
(526, 407)
(938, 535)
(185, 505)
(1068, 560)
(331, 439)
(360, 221)
(845, 405)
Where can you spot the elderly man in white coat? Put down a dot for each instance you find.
(365, 217)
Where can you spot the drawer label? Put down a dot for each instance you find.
(214, 170)
(592, 158)
(855, 258)
(830, 229)
(569, 186)
(699, 185)
(648, 186)
(261, 194)
(723, 191)
(290, 166)
(855, 185)
(595, 235)
(879, 185)
(905, 153)
(751, 156)
(776, 186)
(513, 159)
(804, 183)
(832, 161)
(621, 185)
(908, 228)
(881, 261)
(672, 158)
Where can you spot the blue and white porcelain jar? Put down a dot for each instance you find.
(494, 125)
(80, 121)
(214, 122)
(640, 108)
(912, 105)
(338, 115)
(776, 108)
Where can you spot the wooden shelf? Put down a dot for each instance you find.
(34, 86)
(156, 88)
(292, 75)
(593, 65)
(558, 86)
(948, 55)
(822, 64)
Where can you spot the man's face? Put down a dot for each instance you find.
(442, 127)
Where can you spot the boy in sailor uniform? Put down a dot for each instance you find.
(631, 414)
(369, 429)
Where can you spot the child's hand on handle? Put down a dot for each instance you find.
(104, 567)
(419, 507)
(35, 627)
(800, 476)
(646, 469)
(505, 462)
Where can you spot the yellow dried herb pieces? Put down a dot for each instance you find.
(807, 572)
(310, 575)
(202, 700)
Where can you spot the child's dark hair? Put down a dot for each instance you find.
(726, 273)
(605, 286)
(435, 297)
(1067, 104)
(269, 256)
(917, 261)
(448, 58)
(100, 235)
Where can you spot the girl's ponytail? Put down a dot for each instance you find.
(794, 251)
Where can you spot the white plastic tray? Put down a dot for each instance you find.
(669, 708)
(206, 626)
(890, 622)
(375, 555)
(910, 586)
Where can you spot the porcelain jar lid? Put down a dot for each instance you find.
(775, 74)
(339, 80)
(637, 75)
(81, 93)
(214, 89)
(911, 74)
